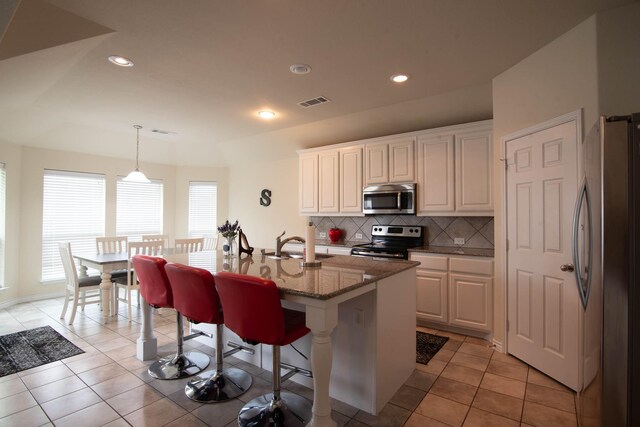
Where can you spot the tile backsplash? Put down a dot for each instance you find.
(477, 231)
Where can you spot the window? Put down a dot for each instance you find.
(3, 192)
(73, 210)
(139, 209)
(203, 209)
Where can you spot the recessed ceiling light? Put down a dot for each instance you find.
(300, 69)
(267, 115)
(399, 78)
(121, 61)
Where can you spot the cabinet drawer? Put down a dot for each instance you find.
(431, 262)
(472, 265)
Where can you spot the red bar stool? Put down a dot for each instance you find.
(253, 311)
(156, 291)
(195, 296)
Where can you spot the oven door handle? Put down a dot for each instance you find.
(378, 255)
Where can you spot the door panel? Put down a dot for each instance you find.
(543, 302)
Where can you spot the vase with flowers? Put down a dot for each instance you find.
(229, 231)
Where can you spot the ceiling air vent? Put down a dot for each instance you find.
(314, 101)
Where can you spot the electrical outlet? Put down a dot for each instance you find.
(458, 241)
(359, 236)
(323, 235)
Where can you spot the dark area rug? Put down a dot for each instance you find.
(27, 349)
(427, 345)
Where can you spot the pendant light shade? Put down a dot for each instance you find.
(136, 175)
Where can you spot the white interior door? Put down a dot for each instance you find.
(543, 301)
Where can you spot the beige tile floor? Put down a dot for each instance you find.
(465, 384)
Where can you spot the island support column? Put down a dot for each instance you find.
(147, 344)
(321, 321)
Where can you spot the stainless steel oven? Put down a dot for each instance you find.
(389, 199)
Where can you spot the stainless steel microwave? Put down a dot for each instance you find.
(389, 199)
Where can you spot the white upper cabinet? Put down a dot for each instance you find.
(474, 190)
(377, 163)
(455, 170)
(328, 180)
(351, 180)
(452, 167)
(435, 173)
(331, 181)
(402, 160)
(390, 161)
(308, 183)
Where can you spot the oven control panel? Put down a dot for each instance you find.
(397, 230)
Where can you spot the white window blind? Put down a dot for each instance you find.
(203, 197)
(3, 192)
(73, 210)
(139, 208)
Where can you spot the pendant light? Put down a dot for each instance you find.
(136, 175)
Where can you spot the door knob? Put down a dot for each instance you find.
(567, 267)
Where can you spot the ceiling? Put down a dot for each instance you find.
(204, 68)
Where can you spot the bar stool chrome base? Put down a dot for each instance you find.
(290, 410)
(179, 366)
(218, 386)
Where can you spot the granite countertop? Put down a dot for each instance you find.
(446, 250)
(326, 242)
(338, 274)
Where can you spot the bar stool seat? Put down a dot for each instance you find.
(195, 296)
(156, 291)
(253, 311)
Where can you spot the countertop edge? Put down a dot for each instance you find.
(445, 250)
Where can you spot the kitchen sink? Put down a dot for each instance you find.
(294, 255)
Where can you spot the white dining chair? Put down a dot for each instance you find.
(210, 242)
(164, 238)
(189, 245)
(152, 248)
(112, 244)
(85, 290)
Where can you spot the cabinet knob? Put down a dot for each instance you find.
(567, 267)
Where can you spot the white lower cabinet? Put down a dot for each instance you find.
(431, 297)
(455, 290)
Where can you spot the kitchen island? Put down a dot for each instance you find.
(361, 313)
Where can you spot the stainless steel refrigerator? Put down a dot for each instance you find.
(607, 260)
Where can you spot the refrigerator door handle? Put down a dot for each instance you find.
(583, 282)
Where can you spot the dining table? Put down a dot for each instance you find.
(105, 264)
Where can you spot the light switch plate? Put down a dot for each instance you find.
(359, 236)
(458, 241)
(323, 235)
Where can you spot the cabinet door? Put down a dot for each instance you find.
(402, 161)
(470, 301)
(435, 174)
(376, 163)
(328, 181)
(308, 183)
(431, 295)
(474, 191)
(351, 180)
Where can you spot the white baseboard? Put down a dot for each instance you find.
(497, 346)
(20, 300)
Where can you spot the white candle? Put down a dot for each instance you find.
(310, 243)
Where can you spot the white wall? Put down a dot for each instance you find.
(262, 224)
(619, 60)
(559, 78)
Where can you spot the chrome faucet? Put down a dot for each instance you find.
(281, 243)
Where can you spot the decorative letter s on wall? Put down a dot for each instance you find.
(265, 197)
